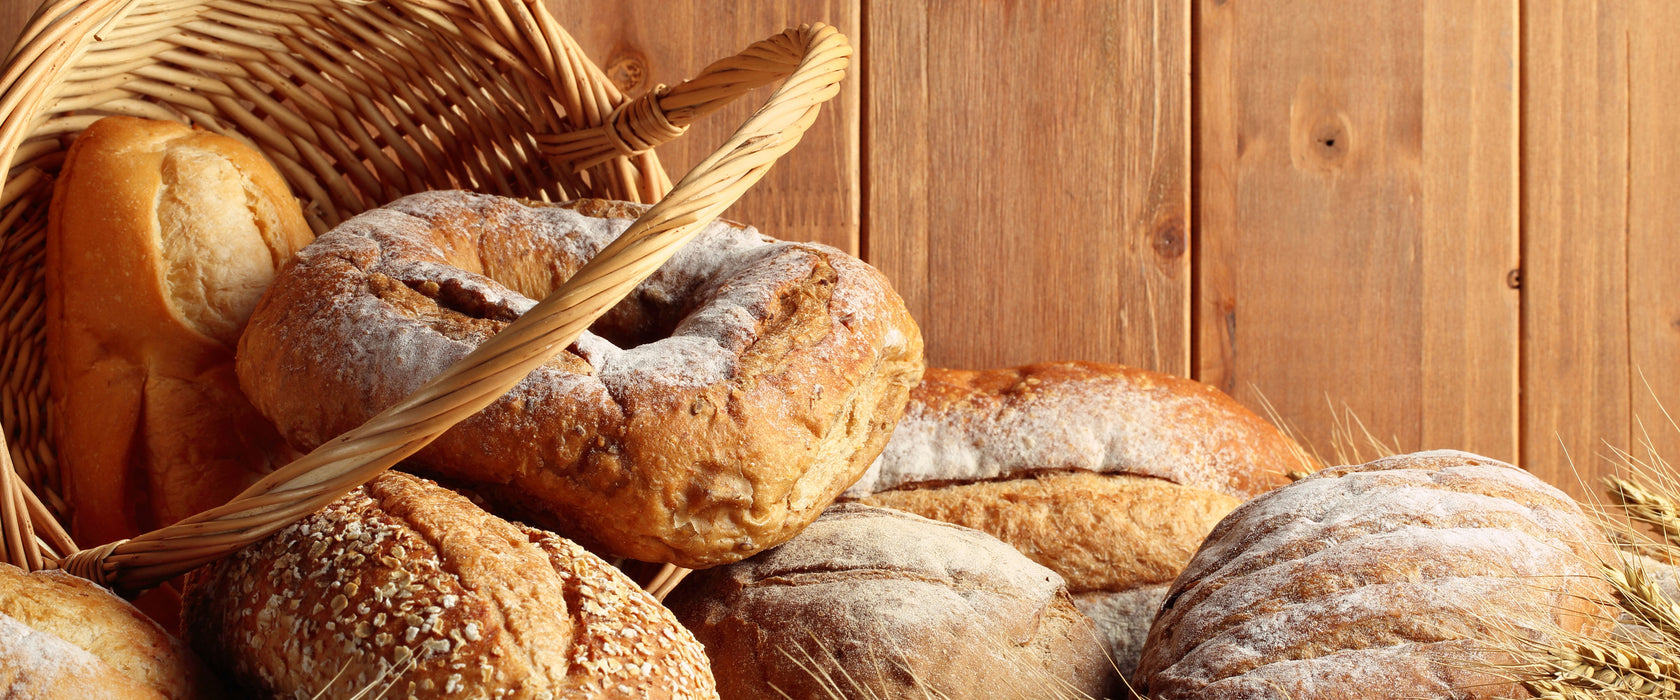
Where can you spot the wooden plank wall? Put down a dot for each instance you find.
(1026, 184)
(1355, 213)
(1601, 316)
(1449, 219)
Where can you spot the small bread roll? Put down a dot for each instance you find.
(1108, 475)
(1393, 576)
(871, 602)
(408, 588)
(64, 638)
(160, 240)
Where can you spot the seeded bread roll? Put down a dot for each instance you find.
(160, 239)
(407, 587)
(1108, 475)
(1388, 575)
(62, 637)
(871, 602)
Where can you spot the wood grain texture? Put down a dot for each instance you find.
(13, 15)
(1575, 236)
(1355, 227)
(1027, 177)
(813, 193)
(1471, 249)
(1653, 282)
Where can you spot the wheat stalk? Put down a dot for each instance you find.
(1642, 659)
(837, 683)
(1648, 504)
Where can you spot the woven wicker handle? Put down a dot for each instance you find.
(663, 114)
(813, 58)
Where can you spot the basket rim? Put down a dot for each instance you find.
(810, 60)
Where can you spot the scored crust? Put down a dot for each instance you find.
(405, 586)
(1108, 475)
(149, 421)
(713, 413)
(1391, 574)
(872, 602)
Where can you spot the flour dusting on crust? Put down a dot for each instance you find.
(1382, 575)
(712, 413)
(967, 426)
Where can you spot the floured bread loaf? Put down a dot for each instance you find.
(1390, 575)
(870, 602)
(1108, 475)
(62, 637)
(711, 414)
(965, 426)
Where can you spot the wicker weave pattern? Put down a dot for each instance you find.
(358, 103)
(355, 103)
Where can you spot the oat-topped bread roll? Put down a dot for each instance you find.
(871, 602)
(1108, 475)
(160, 239)
(713, 413)
(410, 589)
(64, 638)
(1390, 576)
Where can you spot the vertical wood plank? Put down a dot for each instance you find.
(1653, 282)
(813, 193)
(1575, 236)
(1028, 177)
(1471, 247)
(13, 15)
(1355, 205)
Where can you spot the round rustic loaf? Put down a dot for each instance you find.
(64, 638)
(408, 588)
(1392, 575)
(871, 602)
(712, 414)
(1108, 475)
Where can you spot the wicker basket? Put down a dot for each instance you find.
(358, 103)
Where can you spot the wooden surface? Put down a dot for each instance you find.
(1653, 274)
(1602, 319)
(1355, 213)
(1027, 179)
(811, 196)
(13, 13)
(1449, 219)
(1575, 196)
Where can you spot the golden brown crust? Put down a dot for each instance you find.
(871, 602)
(61, 635)
(757, 380)
(1385, 575)
(151, 425)
(405, 585)
(965, 425)
(1108, 475)
(1101, 533)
